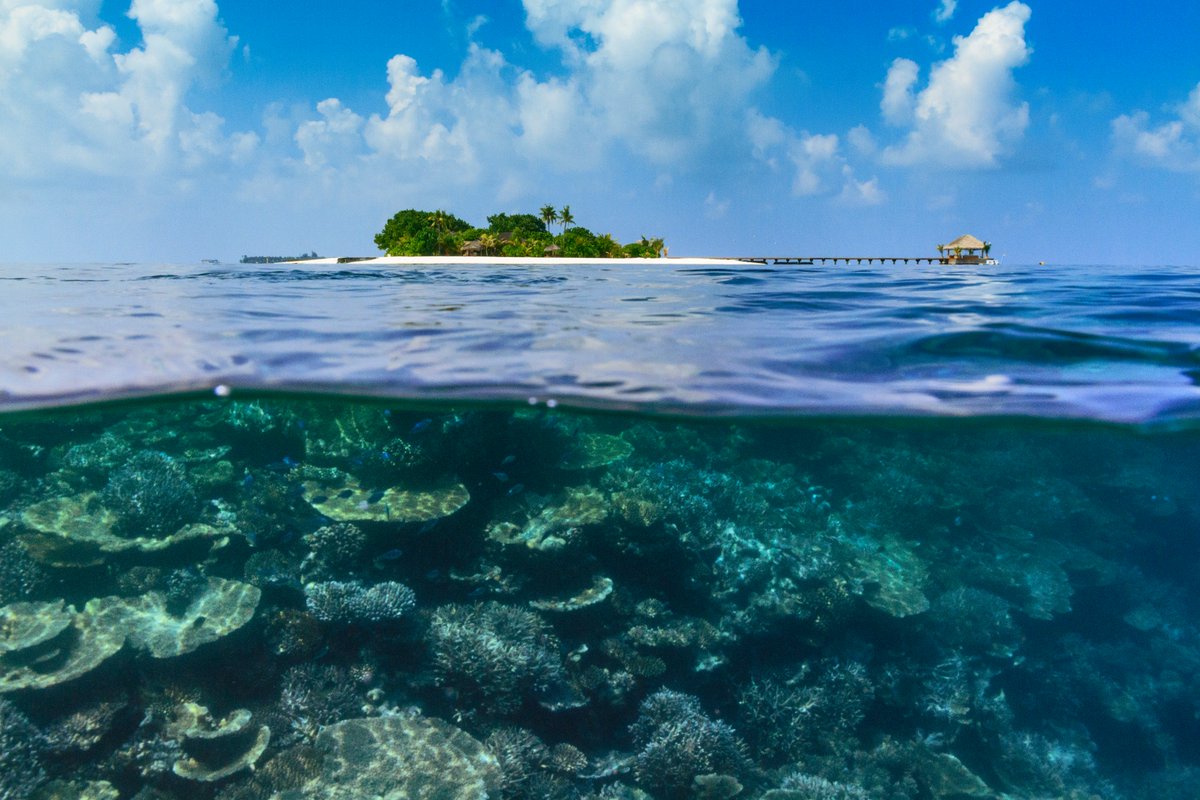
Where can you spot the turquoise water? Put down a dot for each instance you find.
(529, 533)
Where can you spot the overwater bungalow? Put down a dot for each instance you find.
(967, 249)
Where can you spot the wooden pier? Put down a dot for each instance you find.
(810, 260)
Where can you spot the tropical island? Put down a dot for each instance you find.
(438, 233)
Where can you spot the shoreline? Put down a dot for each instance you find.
(510, 260)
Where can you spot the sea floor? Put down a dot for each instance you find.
(297, 597)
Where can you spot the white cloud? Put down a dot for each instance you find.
(945, 11)
(860, 193)
(965, 116)
(68, 103)
(815, 160)
(898, 100)
(659, 75)
(1173, 145)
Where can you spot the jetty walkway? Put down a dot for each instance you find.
(809, 260)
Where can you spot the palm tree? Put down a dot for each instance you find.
(489, 241)
(549, 215)
(565, 218)
(987, 248)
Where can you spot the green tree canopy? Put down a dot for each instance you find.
(516, 224)
(424, 233)
(419, 233)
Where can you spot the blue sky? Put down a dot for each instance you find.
(176, 130)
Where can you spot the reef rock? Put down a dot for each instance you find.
(592, 450)
(78, 531)
(25, 625)
(893, 578)
(215, 748)
(42, 652)
(347, 501)
(221, 608)
(400, 758)
(77, 790)
(555, 525)
(599, 591)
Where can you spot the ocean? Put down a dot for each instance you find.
(619, 531)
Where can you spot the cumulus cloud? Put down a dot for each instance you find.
(966, 116)
(659, 75)
(652, 80)
(945, 11)
(815, 160)
(1173, 145)
(68, 102)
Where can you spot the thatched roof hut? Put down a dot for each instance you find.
(552, 250)
(472, 248)
(965, 249)
(965, 242)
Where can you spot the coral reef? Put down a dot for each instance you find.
(350, 601)
(494, 656)
(283, 599)
(679, 744)
(152, 495)
(415, 758)
(21, 746)
(213, 749)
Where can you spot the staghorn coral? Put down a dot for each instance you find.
(312, 696)
(494, 656)
(818, 708)
(21, 578)
(346, 602)
(21, 746)
(678, 742)
(152, 495)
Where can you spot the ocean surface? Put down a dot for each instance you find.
(624, 531)
(1080, 341)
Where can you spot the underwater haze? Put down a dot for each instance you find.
(630, 532)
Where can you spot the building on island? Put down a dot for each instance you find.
(966, 250)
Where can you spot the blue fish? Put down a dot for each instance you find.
(517, 489)
(508, 460)
(428, 526)
(390, 555)
(501, 476)
(420, 426)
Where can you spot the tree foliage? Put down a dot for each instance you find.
(412, 232)
(420, 233)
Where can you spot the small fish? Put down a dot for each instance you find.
(508, 460)
(433, 575)
(375, 497)
(501, 476)
(248, 481)
(420, 426)
(345, 494)
(390, 555)
(517, 489)
(319, 499)
(427, 527)
(288, 461)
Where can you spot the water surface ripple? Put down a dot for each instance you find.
(1104, 343)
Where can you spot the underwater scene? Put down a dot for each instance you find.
(288, 596)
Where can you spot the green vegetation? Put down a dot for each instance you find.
(427, 233)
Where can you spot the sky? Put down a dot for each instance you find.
(179, 130)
